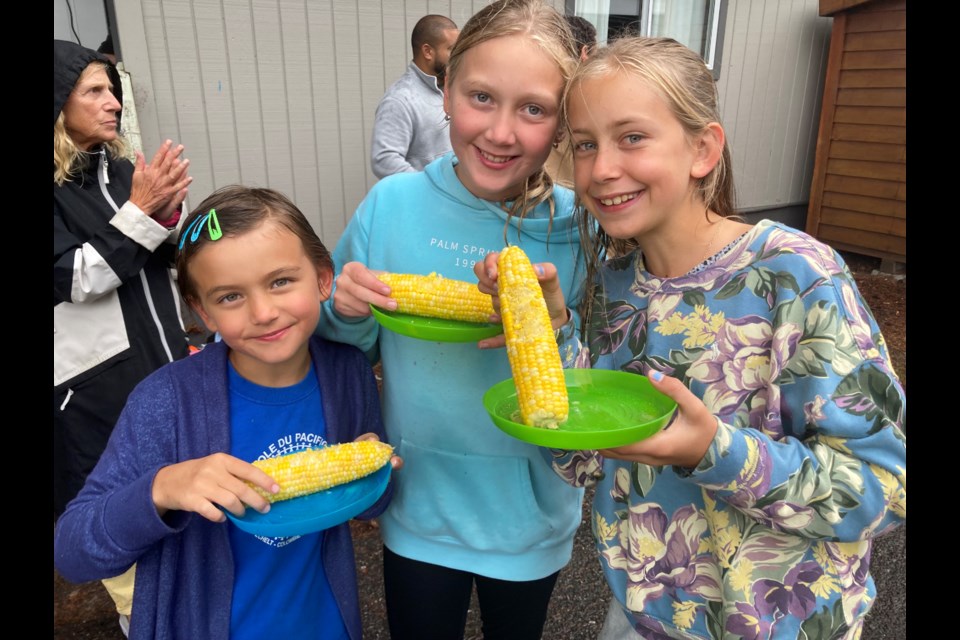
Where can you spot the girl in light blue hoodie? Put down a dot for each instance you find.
(473, 506)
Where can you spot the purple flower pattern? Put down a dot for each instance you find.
(765, 336)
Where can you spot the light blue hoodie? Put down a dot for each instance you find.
(469, 497)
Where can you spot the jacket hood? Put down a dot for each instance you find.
(69, 61)
(536, 223)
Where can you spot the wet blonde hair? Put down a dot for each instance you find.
(548, 29)
(68, 158)
(686, 85)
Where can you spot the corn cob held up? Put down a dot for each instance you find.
(437, 297)
(312, 470)
(531, 346)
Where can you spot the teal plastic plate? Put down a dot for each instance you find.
(607, 409)
(435, 329)
(317, 511)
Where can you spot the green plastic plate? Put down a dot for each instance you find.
(607, 409)
(436, 329)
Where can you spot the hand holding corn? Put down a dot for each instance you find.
(487, 276)
(531, 346)
(205, 485)
(357, 287)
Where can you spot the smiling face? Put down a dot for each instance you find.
(90, 113)
(504, 104)
(635, 168)
(262, 293)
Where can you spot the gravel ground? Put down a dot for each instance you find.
(580, 600)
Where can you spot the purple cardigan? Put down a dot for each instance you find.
(184, 578)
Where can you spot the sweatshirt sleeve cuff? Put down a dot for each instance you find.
(721, 466)
(566, 337)
(139, 227)
(131, 518)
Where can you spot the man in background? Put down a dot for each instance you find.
(409, 130)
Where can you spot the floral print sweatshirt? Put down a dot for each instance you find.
(770, 535)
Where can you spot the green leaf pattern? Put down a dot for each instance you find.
(809, 452)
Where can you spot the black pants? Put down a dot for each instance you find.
(84, 415)
(429, 602)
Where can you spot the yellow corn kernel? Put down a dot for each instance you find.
(312, 470)
(531, 346)
(434, 296)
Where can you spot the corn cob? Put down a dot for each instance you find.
(437, 297)
(312, 470)
(531, 346)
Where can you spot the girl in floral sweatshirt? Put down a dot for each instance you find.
(752, 514)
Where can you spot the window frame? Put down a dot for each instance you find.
(713, 48)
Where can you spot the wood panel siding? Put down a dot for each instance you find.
(866, 204)
(858, 194)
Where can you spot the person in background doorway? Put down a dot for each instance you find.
(560, 163)
(409, 129)
(106, 48)
(584, 33)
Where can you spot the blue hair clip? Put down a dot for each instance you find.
(213, 228)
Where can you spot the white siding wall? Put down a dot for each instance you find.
(770, 85)
(274, 93)
(282, 93)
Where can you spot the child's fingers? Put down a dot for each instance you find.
(245, 473)
(689, 407)
(496, 342)
(210, 511)
(357, 287)
(552, 292)
(486, 272)
(675, 389)
(684, 441)
(235, 493)
(395, 461)
(202, 485)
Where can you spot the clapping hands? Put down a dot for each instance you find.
(159, 187)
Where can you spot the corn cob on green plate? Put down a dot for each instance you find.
(317, 511)
(436, 329)
(607, 409)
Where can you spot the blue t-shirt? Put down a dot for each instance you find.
(280, 589)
